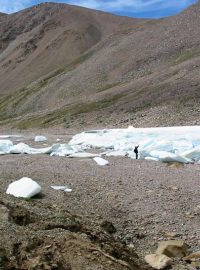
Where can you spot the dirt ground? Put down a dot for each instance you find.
(111, 212)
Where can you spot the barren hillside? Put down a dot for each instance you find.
(67, 65)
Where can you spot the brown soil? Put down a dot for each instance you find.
(112, 211)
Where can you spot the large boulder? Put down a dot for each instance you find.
(193, 257)
(172, 248)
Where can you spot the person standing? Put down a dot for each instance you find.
(136, 151)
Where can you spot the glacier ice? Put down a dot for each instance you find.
(167, 144)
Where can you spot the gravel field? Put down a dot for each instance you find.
(146, 201)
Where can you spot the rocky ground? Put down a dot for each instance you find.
(111, 213)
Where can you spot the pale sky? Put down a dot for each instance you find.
(131, 8)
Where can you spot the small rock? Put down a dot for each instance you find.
(172, 248)
(196, 265)
(173, 188)
(140, 235)
(176, 165)
(171, 234)
(108, 227)
(189, 215)
(131, 245)
(158, 261)
(193, 257)
(4, 213)
(2, 257)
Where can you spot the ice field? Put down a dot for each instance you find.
(166, 144)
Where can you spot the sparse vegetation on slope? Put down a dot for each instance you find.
(89, 63)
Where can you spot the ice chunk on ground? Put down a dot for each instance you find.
(63, 188)
(100, 161)
(171, 143)
(168, 157)
(83, 155)
(193, 154)
(40, 139)
(10, 136)
(181, 144)
(115, 153)
(151, 158)
(22, 148)
(64, 150)
(25, 188)
(5, 146)
(96, 139)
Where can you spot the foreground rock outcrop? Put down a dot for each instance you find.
(39, 236)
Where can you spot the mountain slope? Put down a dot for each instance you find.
(82, 61)
(47, 37)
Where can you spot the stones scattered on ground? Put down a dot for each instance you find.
(172, 248)
(158, 261)
(38, 235)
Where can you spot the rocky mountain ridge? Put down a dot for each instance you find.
(71, 66)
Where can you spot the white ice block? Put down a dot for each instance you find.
(25, 188)
(83, 155)
(40, 139)
(100, 161)
(63, 188)
(63, 150)
(22, 148)
(5, 146)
